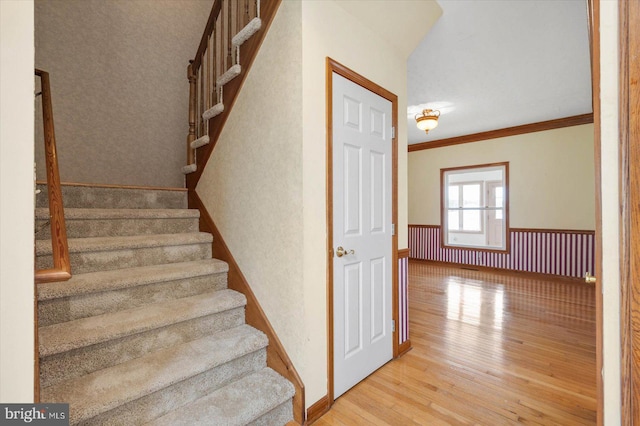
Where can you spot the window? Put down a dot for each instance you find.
(475, 206)
(469, 196)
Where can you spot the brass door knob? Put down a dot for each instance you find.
(342, 252)
(589, 279)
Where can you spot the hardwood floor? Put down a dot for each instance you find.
(488, 349)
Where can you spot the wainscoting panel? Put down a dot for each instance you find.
(403, 299)
(547, 251)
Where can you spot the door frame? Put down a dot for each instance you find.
(629, 181)
(331, 67)
(594, 39)
(629, 128)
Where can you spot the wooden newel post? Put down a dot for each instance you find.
(192, 113)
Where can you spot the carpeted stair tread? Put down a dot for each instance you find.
(116, 279)
(85, 196)
(280, 415)
(103, 390)
(87, 213)
(57, 338)
(147, 325)
(97, 244)
(91, 223)
(238, 403)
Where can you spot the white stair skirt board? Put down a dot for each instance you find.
(212, 112)
(189, 169)
(202, 141)
(244, 34)
(231, 73)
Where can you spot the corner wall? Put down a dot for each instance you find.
(609, 185)
(16, 202)
(265, 183)
(252, 184)
(119, 86)
(329, 31)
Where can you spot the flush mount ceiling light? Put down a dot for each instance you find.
(427, 120)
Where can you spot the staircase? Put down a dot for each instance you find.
(146, 331)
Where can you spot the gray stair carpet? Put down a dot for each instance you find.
(107, 253)
(95, 197)
(146, 330)
(83, 223)
(263, 389)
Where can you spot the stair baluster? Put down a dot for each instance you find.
(217, 63)
(191, 159)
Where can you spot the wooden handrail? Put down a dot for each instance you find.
(61, 270)
(208, 30)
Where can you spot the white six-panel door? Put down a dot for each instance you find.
(362, 202)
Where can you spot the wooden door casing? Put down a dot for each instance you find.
(629, 32)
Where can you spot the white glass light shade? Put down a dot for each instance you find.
(427, 123)
(428, 120)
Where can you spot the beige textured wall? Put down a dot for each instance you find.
(328, 30)
(609, 185)
(252, 185)
(551, 177)
(120, 92)
(16, 201)
(265, 182)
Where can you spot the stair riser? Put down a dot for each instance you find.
(71, 364)
(152, 406)
(280, 415)
(85, 228)
(116, 198)
(128, 258)
(70, 308)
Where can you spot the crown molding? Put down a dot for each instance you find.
(575, 120)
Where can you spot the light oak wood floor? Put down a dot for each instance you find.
(488, 349)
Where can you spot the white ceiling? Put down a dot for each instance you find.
(491, 64)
